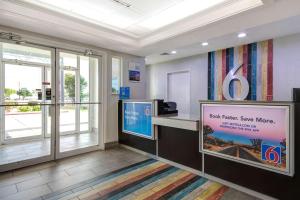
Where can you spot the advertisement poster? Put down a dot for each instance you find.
(134, 75)
(137, 119)
(134, 72)
(255, 134)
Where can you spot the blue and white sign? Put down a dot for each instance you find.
(137, 119)
(124, 93)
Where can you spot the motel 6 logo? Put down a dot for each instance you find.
(271, 153)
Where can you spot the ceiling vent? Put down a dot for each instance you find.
(123, 3)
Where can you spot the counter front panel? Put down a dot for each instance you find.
(180, 146)
(133, 136)
(280, 179)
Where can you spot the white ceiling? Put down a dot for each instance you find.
(107, 24)
(137, 20)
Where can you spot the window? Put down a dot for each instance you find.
(25, 53)
(116, 75)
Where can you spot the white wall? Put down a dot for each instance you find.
(196, 65)
(286, 73)
(286, 69)
(137, 89)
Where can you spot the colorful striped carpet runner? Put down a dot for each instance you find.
(257, 61)
(149, 180)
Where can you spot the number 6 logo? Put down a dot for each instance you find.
(231, 76)
(270, 152)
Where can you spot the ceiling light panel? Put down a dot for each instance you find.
(141, 18)
(177, 12)
(104, 12)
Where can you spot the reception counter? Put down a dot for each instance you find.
(185, 140)
(178, 139)
(138, 139)
(135, 125)
(181, 121)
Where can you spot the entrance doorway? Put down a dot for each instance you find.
(26, 125)
(50, 104)
(78, 103)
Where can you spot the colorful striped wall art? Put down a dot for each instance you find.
(257, 67)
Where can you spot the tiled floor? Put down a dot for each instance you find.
(21, 151)
(112, 174)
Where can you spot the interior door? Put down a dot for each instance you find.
(178, 90)
(79, 105)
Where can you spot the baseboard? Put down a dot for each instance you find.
(111, 145)
(139, 151)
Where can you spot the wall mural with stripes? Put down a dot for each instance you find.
(257, 67)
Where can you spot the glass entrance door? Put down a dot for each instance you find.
(26, 106)
(79, 95)
(22, 120)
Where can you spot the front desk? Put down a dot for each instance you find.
(178, 139)
(279, 181)
(144, 140)
(182, 139)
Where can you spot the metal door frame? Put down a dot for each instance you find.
(43, 109)
(59, 154)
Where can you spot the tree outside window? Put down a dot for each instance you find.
(24, 92)
(70, 86)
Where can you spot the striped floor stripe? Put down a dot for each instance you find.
(149, 180)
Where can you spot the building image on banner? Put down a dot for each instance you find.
(253, 134)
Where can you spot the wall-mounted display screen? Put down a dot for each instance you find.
(259, 135)
(137, 119)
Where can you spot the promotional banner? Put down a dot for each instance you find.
(137, 119)
(134, 75)
(257, 134)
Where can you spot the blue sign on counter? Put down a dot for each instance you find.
(137, 119)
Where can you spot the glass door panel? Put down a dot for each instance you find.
(22, 121)
(25, 111)
(84, 118)
(67, 119)
(78, 83)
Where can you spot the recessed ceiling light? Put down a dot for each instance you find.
(204, 43)
(241, 35)
(173, 52)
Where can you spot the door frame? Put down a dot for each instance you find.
(54, 47)
(44, 111)
(101, 107)
(41, 159)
